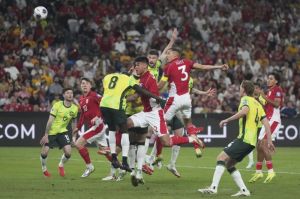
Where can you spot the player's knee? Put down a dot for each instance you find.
(68, 155)
(221, 163)
(44, 155)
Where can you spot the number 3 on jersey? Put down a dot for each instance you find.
(113, 82)
(182, 69)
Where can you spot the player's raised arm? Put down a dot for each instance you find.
(45, 139)
(210, 67)
(162, 57)
(210, 92)
(244, 111)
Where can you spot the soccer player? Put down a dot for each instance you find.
(177, 73)
(113, 104)
(91, 115)
(56, 131)
(274, 100)
(250, 114)
(152, 115)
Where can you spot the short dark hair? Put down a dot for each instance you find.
(142, 59)
(67, 89)
(257, 84)
(153, 52)
(248, 86)
(86, 79)
(276, 76)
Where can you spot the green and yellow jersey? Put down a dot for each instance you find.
(191, 84)
(116, 86)
(249, 124)
(134, 107)
(155, 70)
(63, 115)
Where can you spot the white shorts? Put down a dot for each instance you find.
(182, 103)
(275, 125)
(155, 119)
(96, 134)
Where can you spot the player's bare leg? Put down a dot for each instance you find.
(64, 158)
(174, 155)
(84, 153)
(269, 164)
(193, 130)
(260, 158)
(43, 158)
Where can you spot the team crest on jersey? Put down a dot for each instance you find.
(87, 101)
(72, 114)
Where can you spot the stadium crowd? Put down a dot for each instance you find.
(91, 38)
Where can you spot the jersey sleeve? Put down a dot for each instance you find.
(54, 109)
(165, 75)
(75, 111)
(189, 64)
(244, 101)
(262, 113)
(132, 81)
(277, 93)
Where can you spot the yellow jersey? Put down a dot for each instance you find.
(249, 124)
(63, 115)
(116, 86)
(155, 70)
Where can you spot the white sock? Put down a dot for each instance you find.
(140, 156)
(152, 154)
(236, 175)
(174, 155)
(112, 141)
(43, 162)
(112, 171)
(217, 176)
(125, 144)
(139, 174)
(147, 141)
(63, 160)
(132, 156)
(250, 156)
(90, 166)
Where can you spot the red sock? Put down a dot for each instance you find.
(269, 164)
(159, 147)
(177, 140)
(259, 166)
(85, 155)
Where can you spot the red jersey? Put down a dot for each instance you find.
(178, 73)
(271, 111)
(89, 106)
(148, 82)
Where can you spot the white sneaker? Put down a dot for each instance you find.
(88, 171)
(109, 178)
(250, 165)
(242, 193)
(208, 190)
(173, 170)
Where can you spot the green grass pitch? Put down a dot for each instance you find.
(21, 177)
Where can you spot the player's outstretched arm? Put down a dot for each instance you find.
(266, 124)
(162, 57)
(244, 111)
(45, 139)
(210, 67)
(276, 102)
(143, 91)
(210, 92)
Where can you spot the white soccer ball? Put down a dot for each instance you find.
(40, 12)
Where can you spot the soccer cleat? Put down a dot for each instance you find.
(250, 164)
(61, 171)
(174, 171)
(197, 141)
(256, 177)
(208, 190)
(140, 181)
(269, 177)
(103, 150)
(88, 171)
(198, 152)
(125, 167)
(146, 169)
(193, 130)
(109, 178)
(47, 174)
(243, 192)
(134, 181)
(121, 176)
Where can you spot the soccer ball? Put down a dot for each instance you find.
(40, 12)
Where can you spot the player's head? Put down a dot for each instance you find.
(172, 53)
(152, 57)
(273, 79)
(141, 65)
(86, 85)
(247, 88)
(68, 94)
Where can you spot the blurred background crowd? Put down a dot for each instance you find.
(90, 38)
